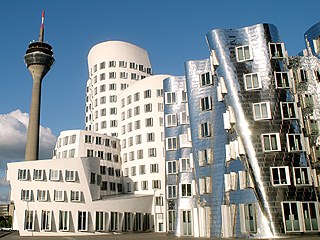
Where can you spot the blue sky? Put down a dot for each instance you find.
(172, 31)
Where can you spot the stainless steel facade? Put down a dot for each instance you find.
(246, 118)
(313, 37)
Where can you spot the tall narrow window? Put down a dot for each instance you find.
(248, 218)
(171, 143)
(204, 130)
(83, 220)
(29, 220)
(171, 191)
(46, 216)
(185, 165)
(302, 176)
(186, 189)
(100, 221)
(205, 156)
(206, 103)
(172, 167)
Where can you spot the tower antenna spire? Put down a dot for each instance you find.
(41, 34)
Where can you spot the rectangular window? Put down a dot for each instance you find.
(64, 220)
(75, 196)
(205, 79)
(252, 81)
(133, 171)
(243, 53)
(123, 75)
(276, 50)
(185, 189)
(23, 174)
(140, 154)
(206, 103)
(29, 220)
(54, 175)
(112, 63)
(160, 107)
(70, 176)
(113, 123)
(144, 185)
(171, 191)
(136, 96)
(26, 195)
(112, 86)
(46, 216)
(149, 122)
(171, 143)
(248, 218)
(204, 130)
(292, 216)
(156, 184)
(205, 157)
(245, 180)
(83, 220)
(38, 174)
(142, 169)
(301, 176)
(183, 118)
(171, 220)
(159, 92)
(184, 96)
(294, 142)
(42, 195)
(100, 221)
(171, 120)
(113, 111)
(261, 111)
(148, 107)
(172, 167)
(154, 168)
(147, 93)
(205, 185)
(92, 178)
(58, 195)
(103, 88)
(152, 152)
(280, 176)
(271, 142)
(288, 110)
(282, 79)
(122, 64)
(136, 110)
(102, 65)
(230, 181)
(159, 201)
(123, 86)
(185, 165)
(137, 124)
(170, 97)
(138, 139)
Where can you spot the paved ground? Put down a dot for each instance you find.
(125, 236)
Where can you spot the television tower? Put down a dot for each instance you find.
(38, 59)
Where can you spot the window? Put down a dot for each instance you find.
(280, 176)
(185, 165)
(58, 195)
(26, 195)
(292, 216)
(243, 53)
(152, 152)
(133, 65)
(204, 130)
(252, 81)
(70, 175)
(129, 127)
(42, 195)
(29, 220)
(184, 96)
(171, 220)
(89, 153)
(149, 122)
(100, 221)
(171, 120)
(136, 96)
(138, 139)
(75, 196)
(148, 107)
(183, 118)
(205, 156)
(160, 107)
(46, 216)
(112, 86)
(276, 50)
(113, 123)
(142, 169)
(122, 64)
(112, 98)
(144, 185)
(133, 171)
(159, 201)
(159, 92)
(230, 181)
(171, 143)
(288, 110)
(170, 97)
(64, 220)
(129, 113)
(205, 79)
(136, 110)
(171, 191)
(156, 184)
(83, 220)
(205, 185)
(147, 93)
(185, 189)
(172, 167)
(113, 111)
(92, 178)
(54, 175)
(123, 75)
(294, 142)
(271, 142)
(261, 111)
(245, 180)
(131, 156)
(23, 174)
(38, 174)
(282, 79)
(301, 176)
(137, 124)
(140, 154)
(206, 103)
(248, 218)
(154, 168)
(129, 100)
(134, 76)
(103, 88)
(112, 63)
(102, 65)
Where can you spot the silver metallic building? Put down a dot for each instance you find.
(251, 173)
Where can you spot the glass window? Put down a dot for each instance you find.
(204, 130)
(172, 167)
(248, 218)
(171, 191)
(288, 110)
(46, 218)
(171, 143)
(261, 111)
(170, 97)
(83, 220)
(42, 195)
(186, 189)
(29, 220)
(271, 142)
(171, 120)
(252, 81)
(205, 79)
(301, 176)
(294, 142)
(70, 176)
(276, 50)
(38, 174)
(282, 79)
(280, 176)
(243, 53)
(206, 103)
(23, 174)
(205, 156)
(185, 165)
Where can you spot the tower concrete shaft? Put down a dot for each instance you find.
(38, 59)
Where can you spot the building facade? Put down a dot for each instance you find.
(312, 35)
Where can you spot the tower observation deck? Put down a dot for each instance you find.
(38, 59)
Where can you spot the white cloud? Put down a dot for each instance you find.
(13, 137)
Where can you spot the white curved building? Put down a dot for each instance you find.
(113, 66)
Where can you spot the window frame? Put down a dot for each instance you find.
(261, 117)
(278, 182)
(245, 58)
(277, 135)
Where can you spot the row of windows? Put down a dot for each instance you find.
(111, 186)
(152, 152)
(121, 64)
(144, 185)
(45, 196)
(100, 141)
(170, 97)
(103, 155)
(154, 168)
(66, 140)
(185, 190)
(122, 75)
(111, 171)
(54, 175)
(171, 120)
(103, 221)
(271, 142)
(136, 96)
